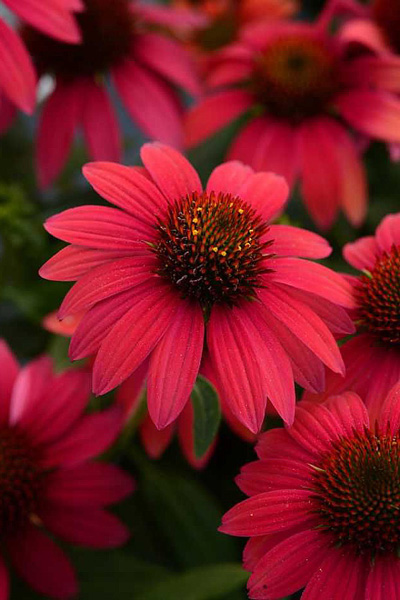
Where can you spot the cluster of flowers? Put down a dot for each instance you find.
(178, 279)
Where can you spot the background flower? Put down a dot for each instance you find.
(322, 512)
(48, 479)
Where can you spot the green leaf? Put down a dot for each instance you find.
(182, 517)
(207, 415)
(202, 583)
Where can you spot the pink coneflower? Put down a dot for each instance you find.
(48, 480)
(302, 92)
(176, 267)
(118, 38)
(17, 75)
(324, 504)
(372, 357)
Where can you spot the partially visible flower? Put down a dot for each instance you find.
(324, 504)
(177, 268)
(372, 357)
(49, 481)
(17, 75)
(226, 18)
(146, 66)
(305, 97)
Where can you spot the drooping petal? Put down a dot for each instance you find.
(169, 59)
(174, 365)
(364, 32)
(8, 374)
(91, 527)
(305, 325)
(268, 145)
(235, 361)
(42, 564)
(154, 440)
(267, 513)
(106, 280)
(150, 101)
(72, 262)
(171, 171)
(382, 72)
(362, 253)
(186, 439)
(133, 337)
(88, 484)
(17, 76)
(375, 113)
(30, 388)
(314, 278)
(56, 128)
(100, 319)
(276, 443)
(52, 17)
(103, 142)
(97, 226)
(339, 571)
(213, 113)
(383, 580)
(289, 566)
(293, 241)
(315, 427)
(90, 437)
(127, 188)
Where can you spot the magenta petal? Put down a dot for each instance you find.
(171, 171)
(91, 527)
(57, 124)
(276, 443)
(233, 353)
(293, 241)
(155, 441)
(267, 193)
(273, 474)
(17, 76)
(42, 564)
(8, 374)
(4, 581)
(70, 263)
(106, 280)
(339, 571)
(388, 232)
(174, 364)
(350, 411)
(213, 113)
(373, 112)
(128, 189)
(362, 253)
(389, 417)
(90, 437)
(103, 142)
(383, 580)
(315, 427)
(268, 145)
(97, 226)
(133, 337)
(52, 17)
(228, 178)
(151, 102)
(100, 319)
(88, 484)
(314, 278)
(289, 566)
(55, 412)
(169, 59)
(305, 325)
(29, 389)
(270, 512)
